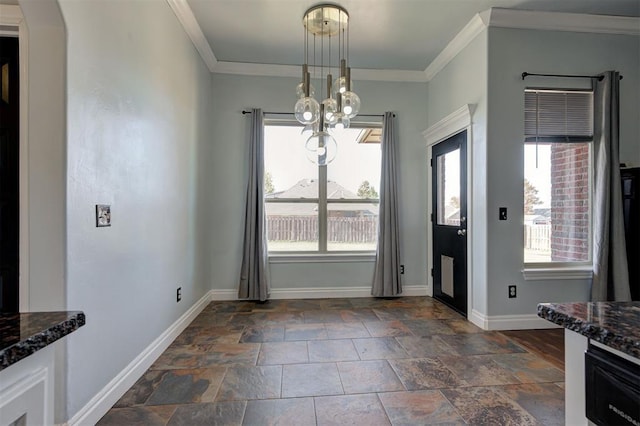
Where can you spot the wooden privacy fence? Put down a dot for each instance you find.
(362, 229)
(537, 237)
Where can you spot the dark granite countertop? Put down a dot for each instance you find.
(23, 334)
(615, 324)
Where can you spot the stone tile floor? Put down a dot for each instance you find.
(404, 361)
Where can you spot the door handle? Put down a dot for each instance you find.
(462, 232)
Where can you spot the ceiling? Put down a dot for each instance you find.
(384, 34)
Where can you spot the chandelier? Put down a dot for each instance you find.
(325, 25)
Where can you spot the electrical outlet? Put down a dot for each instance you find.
(401, 269)
(512, 291)
(502, 213)
(179, 294)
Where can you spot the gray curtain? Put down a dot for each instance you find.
(610, 272)
(254, 274)
(387, 280)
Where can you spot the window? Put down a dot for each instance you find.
(557, 177)
(321, 209)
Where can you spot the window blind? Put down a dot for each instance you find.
(558, 116)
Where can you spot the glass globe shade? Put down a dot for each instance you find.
(340, 85)
(321, 148)
(342, 122)
(350, 104)
(300, 90)
(307, 131)
(330, 109)
(307, 110)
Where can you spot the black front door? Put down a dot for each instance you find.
(449, 221)
(9, 184)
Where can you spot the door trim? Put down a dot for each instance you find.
(11, 17)
(456, 122)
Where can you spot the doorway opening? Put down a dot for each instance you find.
(9, 174)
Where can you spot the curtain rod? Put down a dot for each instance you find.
(290, 113)
(599, 77)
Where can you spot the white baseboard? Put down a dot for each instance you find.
(320, 292)
(509, 322)
(113, 391)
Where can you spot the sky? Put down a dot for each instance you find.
(539, 175)
(286, 159)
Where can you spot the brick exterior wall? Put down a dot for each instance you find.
(569, 202)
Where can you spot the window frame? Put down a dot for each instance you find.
(322, 254)
(535, 271)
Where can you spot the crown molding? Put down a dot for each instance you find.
(531, 20)
(272, 70)
(559, 21)
(494, 17)
(265, 70)
(476, 25)
(185, 15)
(389, 75)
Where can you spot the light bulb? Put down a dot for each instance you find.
(351, 104)
(340, 85)
(307, 110)
(342, 122)
(330, 109)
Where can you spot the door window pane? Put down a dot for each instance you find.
(449, 188)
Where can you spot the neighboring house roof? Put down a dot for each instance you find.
(546, 212)
(308, 188)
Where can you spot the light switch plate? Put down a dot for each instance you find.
(103, 215)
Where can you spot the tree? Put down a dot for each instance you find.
(268, 183)
(366, 190)
(530, 197)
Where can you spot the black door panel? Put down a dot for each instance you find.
(449, 221)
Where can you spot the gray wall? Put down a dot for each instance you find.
(510, 53)
(464, 81)
(138, 125)
(231, 94)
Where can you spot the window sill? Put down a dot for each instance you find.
(558, 273)
(321, 258)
